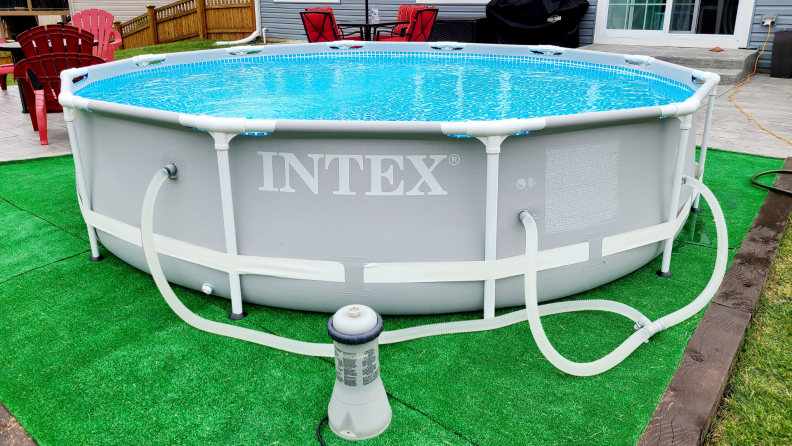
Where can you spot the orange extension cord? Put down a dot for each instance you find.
(731, 96)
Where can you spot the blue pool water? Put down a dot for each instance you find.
(387, 87)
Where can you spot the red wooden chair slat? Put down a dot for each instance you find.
(47, 53)
(100, 24)
(5, 70)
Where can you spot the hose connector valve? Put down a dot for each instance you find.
(171, 170)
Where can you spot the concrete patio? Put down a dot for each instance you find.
(769, 100)
(18, 141)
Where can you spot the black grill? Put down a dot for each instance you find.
(781, 61)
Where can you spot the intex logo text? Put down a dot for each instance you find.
(311, 179)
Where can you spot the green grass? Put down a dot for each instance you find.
(173, 47)
(757, 409)
(90, 353)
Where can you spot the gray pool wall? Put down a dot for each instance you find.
(122, 147)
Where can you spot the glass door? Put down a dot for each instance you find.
(687, 16)
(683, 16)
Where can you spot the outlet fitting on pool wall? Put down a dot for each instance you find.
(359, 407)
(171, 170)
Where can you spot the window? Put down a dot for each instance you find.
(636, 14)
(682, 15)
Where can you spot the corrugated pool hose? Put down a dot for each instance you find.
(644, 327)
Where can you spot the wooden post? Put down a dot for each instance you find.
(253, 14)
(117, 27)
(153, 24)
(30, 5)
(200, 7)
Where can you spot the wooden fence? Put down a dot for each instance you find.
(190, 20)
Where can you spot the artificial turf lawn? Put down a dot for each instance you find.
(90, 353)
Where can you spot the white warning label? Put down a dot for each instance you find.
(581, 186)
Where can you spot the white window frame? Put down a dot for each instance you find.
(742, 31)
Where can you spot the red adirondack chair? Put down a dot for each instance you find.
(418, 30)
(100, 24)
(320, 26)
(48, 52)
(5, 70)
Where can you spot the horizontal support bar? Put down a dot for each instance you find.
(421, 272)
(404, 272)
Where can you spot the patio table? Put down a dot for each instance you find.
(16, 54)
(367, 30)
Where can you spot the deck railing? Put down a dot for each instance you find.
(190, 20)
(34, 5)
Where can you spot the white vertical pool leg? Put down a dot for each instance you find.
(704, 143)
(493, 144)
(676, 187)
(224, 169)
(82, 187)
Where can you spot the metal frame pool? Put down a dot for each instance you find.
(250, 218)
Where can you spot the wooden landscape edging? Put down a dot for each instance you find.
(11, 433)
(690, 402)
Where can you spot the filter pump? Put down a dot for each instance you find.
(359, 407)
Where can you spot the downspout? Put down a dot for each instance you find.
(258, 32)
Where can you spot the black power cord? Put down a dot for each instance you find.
(772, 188)
(319, 432)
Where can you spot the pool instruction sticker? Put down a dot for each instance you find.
(581, 186)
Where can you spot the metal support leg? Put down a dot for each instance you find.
(704, 143)
(82, 188)
(224, 169)
(491, 223)
(676, 187)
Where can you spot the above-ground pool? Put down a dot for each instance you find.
(316, 176)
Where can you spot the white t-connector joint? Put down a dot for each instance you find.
(222, 139)
(68, 114)
(492, 143)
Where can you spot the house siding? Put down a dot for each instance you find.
(282, 20)
(122, 10)
(781, 8)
